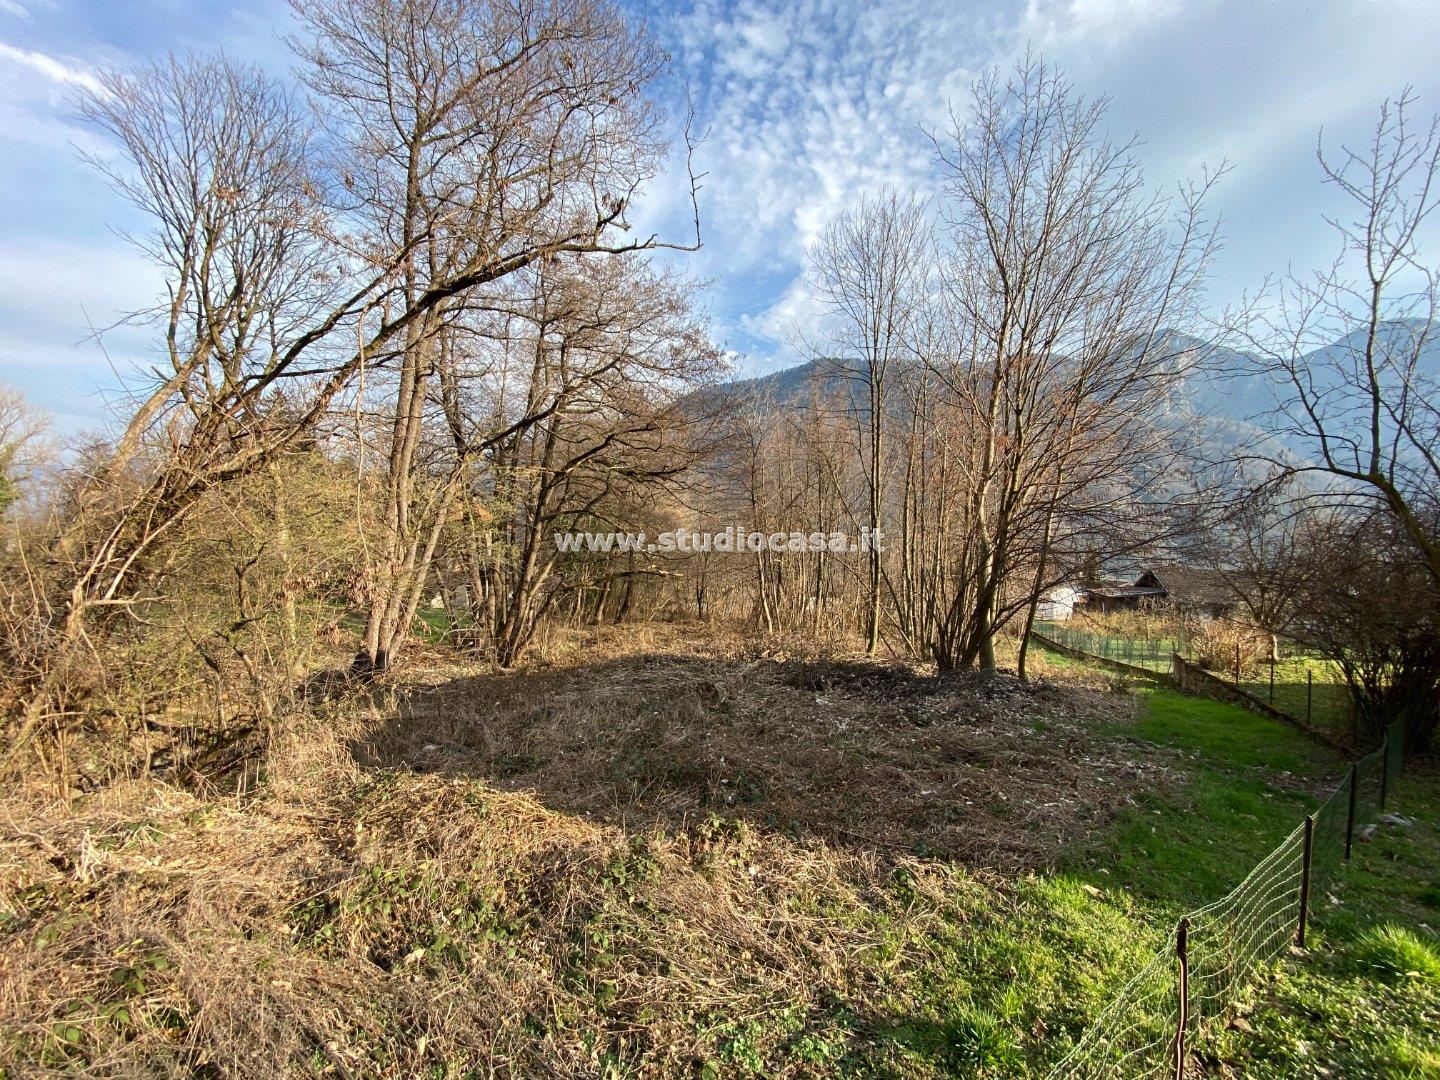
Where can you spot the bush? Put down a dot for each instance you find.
(1216, 644)
(1146, 624)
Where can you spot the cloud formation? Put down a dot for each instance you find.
(56, 70)
(810, 104)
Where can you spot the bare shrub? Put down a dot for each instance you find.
(1219, 644)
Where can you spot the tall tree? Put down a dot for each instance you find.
(451, 144)
(870, 273)
(1353, 351)
(469, 132)
(581, 418)
(1064, 275)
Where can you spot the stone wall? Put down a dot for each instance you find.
(1194, 679)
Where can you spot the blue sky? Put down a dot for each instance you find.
(808, 104)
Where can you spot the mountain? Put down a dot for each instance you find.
(1223, 400)
(790, 386)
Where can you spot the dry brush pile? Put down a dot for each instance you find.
(568, 915)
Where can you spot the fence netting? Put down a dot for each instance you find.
(1229, 941)
(1288, 684)
(1151, 653)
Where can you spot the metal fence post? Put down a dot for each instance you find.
(1237, 663)
(1309, 693)
(1272, 679)
(1182, 952)
(1350, 813)
(1305, 878)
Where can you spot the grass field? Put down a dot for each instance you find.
(699, 860)
(434, 626)
(1308, 688)
(1365, 1001)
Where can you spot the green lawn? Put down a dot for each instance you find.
(1308, 689)
(1187, 846)
(1010, 978)
(1366, 1000)
(432, 625)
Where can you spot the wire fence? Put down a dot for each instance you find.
(1303, 688)
(1151, 653)
(1183, 996)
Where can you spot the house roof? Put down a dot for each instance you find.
(1192, 584)
(1120, 592)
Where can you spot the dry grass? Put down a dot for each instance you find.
(653, 857)
(862, 754)
(1220, 646)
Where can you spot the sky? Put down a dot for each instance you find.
(807, 106)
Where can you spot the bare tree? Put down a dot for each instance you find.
(297, 257)
(304, 248)
(218, 159)
(470, 132)
(22, 444)
(870, 272)
(1352, 351)
(1371, 606)
(583, 418)
(1266, 544)
(1063, 280)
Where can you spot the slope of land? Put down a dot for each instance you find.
(669, 854)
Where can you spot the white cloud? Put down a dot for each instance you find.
(813, 102)
(807, 105)
(766, 32)
(1052, 24)
(788, 317)
(10, 7)
(56, 70)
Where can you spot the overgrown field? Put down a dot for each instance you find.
(658, 856)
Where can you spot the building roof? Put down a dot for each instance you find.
(1121, 592)
(1192, 584)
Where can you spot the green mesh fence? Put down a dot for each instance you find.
(1135, 1034)
(1227, 942)
(1320, 704)
(1153, 654)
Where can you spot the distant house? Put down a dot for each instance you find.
(1196, 589)
(1199, 590)
(1111, 596)
(1058, 604)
